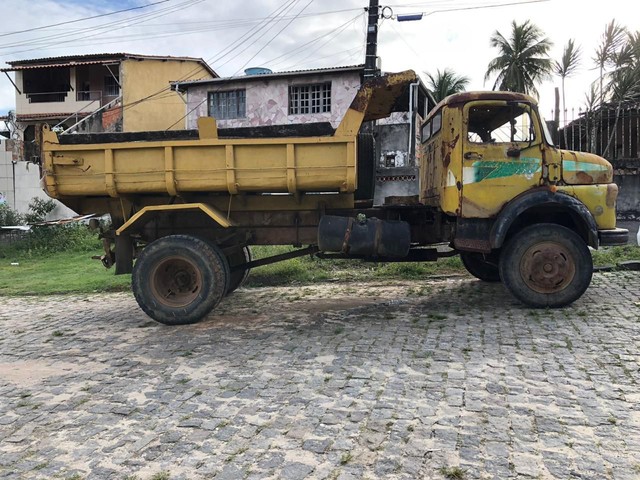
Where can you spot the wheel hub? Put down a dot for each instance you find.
(547, 267)
(176, 282)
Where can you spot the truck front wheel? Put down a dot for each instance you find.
(546, 265)
(483, 267)
(179, 279)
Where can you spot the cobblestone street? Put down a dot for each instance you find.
(440, 378)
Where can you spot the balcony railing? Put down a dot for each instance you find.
(88, 95)
(47, 97)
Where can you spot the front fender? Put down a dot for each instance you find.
(544, 197)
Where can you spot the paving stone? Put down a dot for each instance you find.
(269, 390)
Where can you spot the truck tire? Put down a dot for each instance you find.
(546, 265)
(179, 279)
(481, 266)
(238, 257)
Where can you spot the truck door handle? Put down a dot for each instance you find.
(473, 156)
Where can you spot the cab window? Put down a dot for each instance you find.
(426, 132)
(500, 124)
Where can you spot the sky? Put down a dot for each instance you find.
(235, 34)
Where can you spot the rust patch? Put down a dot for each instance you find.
(473, 244)
(583, 178)
(602, 177)
(446, 160)
(612, 195)
(454, 142)
(459, 185)
(359, 103)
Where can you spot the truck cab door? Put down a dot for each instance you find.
(501, 156)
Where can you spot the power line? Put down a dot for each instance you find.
(341, 29)
(84, 19)
(246, 63)
(311, 42)
(51, 40)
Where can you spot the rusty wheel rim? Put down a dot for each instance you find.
(547, 267)
(176, 282)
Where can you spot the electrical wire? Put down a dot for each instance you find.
(336, 35)
(83, 19)
(54, 40)
(310, 42)
(246, 63)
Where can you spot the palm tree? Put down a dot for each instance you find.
(445, 83)
(612, 40)
(523, 60)
(624, 80)
(566, 67)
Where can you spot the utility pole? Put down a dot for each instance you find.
(370, 67)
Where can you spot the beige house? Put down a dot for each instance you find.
(110, 92)
(102, 92)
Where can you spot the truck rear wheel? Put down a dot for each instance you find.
(546, 265)
(483, 267)
(238, 257)
(179, 279)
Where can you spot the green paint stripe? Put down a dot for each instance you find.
(489, 169)
(573, 166)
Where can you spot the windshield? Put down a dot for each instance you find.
(547, 133)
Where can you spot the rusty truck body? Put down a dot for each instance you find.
(186, 206)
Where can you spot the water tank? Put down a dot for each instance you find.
(257, 71)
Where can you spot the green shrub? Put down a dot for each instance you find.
(38, 210)
(48, 239)
(8, 216)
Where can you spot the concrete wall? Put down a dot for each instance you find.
(27, 185)
(628, 196)
(141, 78)
(267, 100)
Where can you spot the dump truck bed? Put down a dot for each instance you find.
(218, 161)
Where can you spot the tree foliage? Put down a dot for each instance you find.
(523, 59)
(445, 83)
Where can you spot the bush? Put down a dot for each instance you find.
(8, 216)
(38, 210)
(48, 239)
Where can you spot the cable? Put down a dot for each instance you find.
(44, 42)
(279, 32)
(83, 19)
(337, 34)
(304, 45)
(270, 40)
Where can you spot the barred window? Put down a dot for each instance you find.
(111, 87)
(226, 105)
(310, 98)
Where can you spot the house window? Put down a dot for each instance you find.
(227, 105)
(310, 98)
(111, 87)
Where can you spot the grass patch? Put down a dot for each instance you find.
(41, 272)
(64, 272)
(310, 269)
(452, 473)
(614, 255)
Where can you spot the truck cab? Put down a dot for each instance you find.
(491, 166)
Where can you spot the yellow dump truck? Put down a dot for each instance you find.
(185, 206)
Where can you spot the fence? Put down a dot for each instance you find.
(612, 132)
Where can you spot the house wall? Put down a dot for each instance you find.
(267, 100)
(70, 104)
(141, 78)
